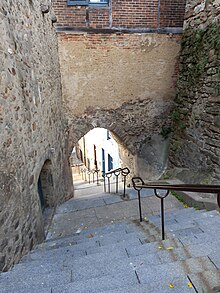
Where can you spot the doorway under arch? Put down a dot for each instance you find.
(45, 185)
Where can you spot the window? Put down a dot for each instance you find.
(87, 2)
(108, 135)
(110, 162)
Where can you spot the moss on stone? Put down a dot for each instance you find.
(195, 53)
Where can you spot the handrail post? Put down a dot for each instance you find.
(82, 171)
(124, 173)
(108, 177)
(138, 189)
(124, 185)
(218, 199)
(162, 211)
(85, 175)
(162, 218)
(117, 173)
(108, 184)
(93, 176)
(103, 175)
(89, 173)
(97, 176)
(139, 202)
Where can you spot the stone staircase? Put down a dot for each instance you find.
(126, 257)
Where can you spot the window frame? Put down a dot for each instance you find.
(86, 3)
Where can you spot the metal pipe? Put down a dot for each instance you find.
(139, 201)
(97, 176)
(124, 185)
(103, 175)
(116, 187)
(162, 218)
(108, 184)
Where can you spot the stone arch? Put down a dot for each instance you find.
(45, 185)
(137, 125)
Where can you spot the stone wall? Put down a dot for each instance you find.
(195, 147)
(124, 83)
(32, 127)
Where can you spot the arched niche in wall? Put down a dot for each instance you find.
(45, 185)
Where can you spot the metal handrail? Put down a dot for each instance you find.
(139, 184)
(123, 171)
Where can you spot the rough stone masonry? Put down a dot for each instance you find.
(195, 147)
(32, 125)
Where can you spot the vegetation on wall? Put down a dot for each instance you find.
(198, 50)
(199, 69)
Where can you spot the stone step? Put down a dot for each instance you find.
(128, 227)
(99, 284)
(68, 256)
(162, 252)
(146, 275)
(176, 285)
(81, 248)
(27, 290)
(185, 252)
(206, 281)
(196, 215)
(205, 237)
(153, 247)
(11, 284)
(174, 269)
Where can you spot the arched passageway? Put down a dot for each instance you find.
(98, 149)
(137, 127)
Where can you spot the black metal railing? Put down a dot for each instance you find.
(86, 174)
(117, 172)
(139, 184)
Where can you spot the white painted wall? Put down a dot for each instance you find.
(98, 137)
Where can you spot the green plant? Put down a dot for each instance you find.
(175, 115)
(165, 131)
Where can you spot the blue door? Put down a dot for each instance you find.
(103, 160)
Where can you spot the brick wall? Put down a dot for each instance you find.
(172, 13)
(142, 13)
(122, 14)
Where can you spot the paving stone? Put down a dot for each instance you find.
(215, 256)
(187, 232)
(84, 234)
(111, 239)
(180, 285)
(181, 253)
(111, 200)
(174, 269)
(21, 270)
(112, 247)
(11, 283)
(74, 251)
(206, 281)
(200, 238)
(77, 205)
(95, 285)
(154, 247)
(15, 289)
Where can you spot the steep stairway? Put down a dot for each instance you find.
(126, 256)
